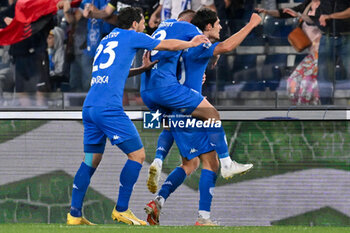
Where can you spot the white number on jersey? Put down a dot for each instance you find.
(108, 50)
(160, 36)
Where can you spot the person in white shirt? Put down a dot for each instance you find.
(170, 9)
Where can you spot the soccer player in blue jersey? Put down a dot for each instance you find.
(103, 114)
(160, 90)
(195, 143)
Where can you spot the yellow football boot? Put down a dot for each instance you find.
(78, 221)
(127, 217)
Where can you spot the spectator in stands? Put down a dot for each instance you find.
(6, 75)
(30, 65)
(235, 9)
(302, 85)
(148, 6)
(96, 30)
(170, 9)
(56, 51)
(334, 53)
(79, 63)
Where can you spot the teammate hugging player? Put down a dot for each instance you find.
(103, 114)
(194, 143)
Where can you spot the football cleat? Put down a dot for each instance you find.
(71, 220)
(153, 177)
(205, 222)
(152, 210)
(235, 169)
(127, 217)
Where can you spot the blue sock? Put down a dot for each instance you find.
(165, 141)
(217, 138)
(206, 188)
(174, 180)
(80, 185)
(128, 178)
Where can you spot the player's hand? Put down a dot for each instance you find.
(146, 61)
(255, 19)
(200, 39)
(204, 78)
(290, 12)
(88, 9)
(214, 61)
(260, 10)
(8, 20)
(323, 19)
(154, 21)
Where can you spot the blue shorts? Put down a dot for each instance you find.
(101, 122)
(176, 97)
(191, 142)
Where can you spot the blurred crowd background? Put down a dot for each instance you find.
(52, 68)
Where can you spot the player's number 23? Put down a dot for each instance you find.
(108, 50)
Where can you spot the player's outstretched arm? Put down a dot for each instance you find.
(235, 40)
(146, 65)
(174, 44)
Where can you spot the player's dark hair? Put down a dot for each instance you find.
(127, 16)
(203, 17)
(187, 13)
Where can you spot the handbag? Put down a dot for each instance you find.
(298, 38)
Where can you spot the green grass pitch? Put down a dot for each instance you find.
(58, 228)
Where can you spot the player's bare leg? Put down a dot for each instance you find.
(206, 111)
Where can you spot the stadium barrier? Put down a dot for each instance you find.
(300, 176)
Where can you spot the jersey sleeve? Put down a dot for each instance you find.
(204, 51)
(144, 41)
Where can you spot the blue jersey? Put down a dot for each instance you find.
(112, 62)
(193, 64)
(163, 73)
(193, 142)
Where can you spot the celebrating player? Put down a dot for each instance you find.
(103, 114)
(160, 89)
(193, 143)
